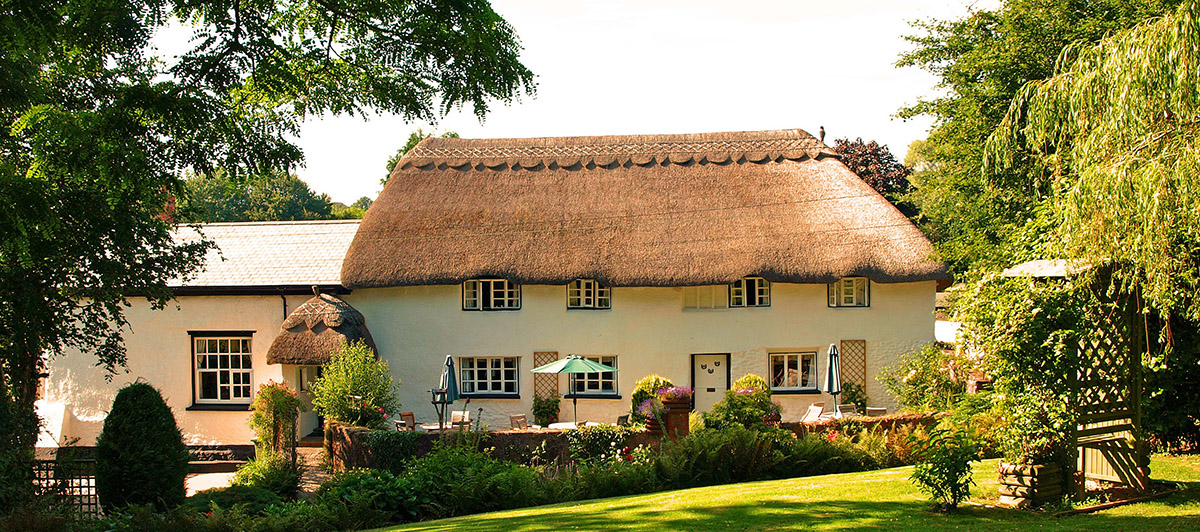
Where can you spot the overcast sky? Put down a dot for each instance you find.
(609, 67)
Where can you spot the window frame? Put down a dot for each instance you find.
(800, 355)
(473, 383)
(245, 375)
(512, 294)
(836, 293)
(599, 293)
(740, 289)
(714, 292)
(598, 378)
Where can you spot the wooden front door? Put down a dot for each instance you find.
(710, 379)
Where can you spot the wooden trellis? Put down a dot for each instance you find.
(545, 384)
(853, 355)
(71, 481)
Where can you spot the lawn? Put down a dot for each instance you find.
(855, 501)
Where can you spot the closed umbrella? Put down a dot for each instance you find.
(833, 374)
(447, 390)
(572, 365)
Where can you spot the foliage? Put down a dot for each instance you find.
(855, 394)
(745, 407)
(354, 211)
(98, 126)
(392, 450)
(273, 416)
(925, 379)
(876, 166)
(545, 410)
(982, 60)
(249, 499)
(734, 454)
(945, 473)
(140, 454)
(219, 197)
(356, 388)
(459, 480)
(646, 388)
(1029, 333)
(271, 472)
(1170, 404)
(675, 393)
(651, 408)
(414, 138)
(1114, 129)
(16, 454)
(597, 442)
(751, 381)
(981, 416)
(391, 496)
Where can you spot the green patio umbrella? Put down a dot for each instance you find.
(447, 391)
(572, 365)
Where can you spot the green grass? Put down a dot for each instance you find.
(855, 501)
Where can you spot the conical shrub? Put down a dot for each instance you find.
(140, 454)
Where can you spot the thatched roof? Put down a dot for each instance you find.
(652, 210)
(315, 330)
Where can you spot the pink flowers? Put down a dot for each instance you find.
(831, 436)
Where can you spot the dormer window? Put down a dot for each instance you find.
(491, 294)
(588, 294)
(850, 292)
(750, 292)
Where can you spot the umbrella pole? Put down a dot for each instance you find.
(575, 400)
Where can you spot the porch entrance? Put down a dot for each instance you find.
(710, 379)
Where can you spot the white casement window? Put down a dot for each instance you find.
(794, 371)
(488, 375)
(705, 297)
(491, 294)
(588, 294)
(850, 292)
(750, 292)
(223, 369)
(596, 383)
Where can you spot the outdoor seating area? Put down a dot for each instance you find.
(816, 412)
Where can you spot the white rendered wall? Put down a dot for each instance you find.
(159, 352)
(416, 327)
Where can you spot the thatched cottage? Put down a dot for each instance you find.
(700, 257)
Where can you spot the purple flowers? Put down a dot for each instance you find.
(675, 393)
(650, 408)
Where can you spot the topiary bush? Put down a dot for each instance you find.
(249, 499)
(646, 388)
(752, 382)
(356, 388)
(745, 407)
(140, 454)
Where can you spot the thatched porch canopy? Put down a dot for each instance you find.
(650, 210)
(316, 329)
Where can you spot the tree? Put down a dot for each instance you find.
(876, 166)
(272, 196)
(140, 454)
(414, 138)
(99, 129)
(983, 60)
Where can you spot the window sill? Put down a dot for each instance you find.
(491, 309)
(218, 408)
(589, 308)
(796, 392)
(490, 396)
(592, 396)
(850, 306)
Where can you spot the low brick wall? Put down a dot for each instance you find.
(346, 450)
(887, 422)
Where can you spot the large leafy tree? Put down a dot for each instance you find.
(876, 165)
(99, 129)
(275, 195)
(982, 61)
(414, 138)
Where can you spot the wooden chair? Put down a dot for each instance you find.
(623, 421)
(814, 413)
(408, 421)
(518, 422)
(876, 412)
(460, 418)
(847, 410)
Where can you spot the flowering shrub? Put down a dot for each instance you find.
(651, 408)
(356, 388)
(746, 407)
(275, 410)
(644, 389)
(675, 393)
(751, 381)
(597, 443)
(926, 379)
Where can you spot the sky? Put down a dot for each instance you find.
(613, 67)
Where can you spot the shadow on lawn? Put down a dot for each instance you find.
(824, 515)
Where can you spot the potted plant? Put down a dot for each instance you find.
(1033, 440)
(677, 404)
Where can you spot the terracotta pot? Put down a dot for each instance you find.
(653, 426)
(1029, 486)
(676, 417)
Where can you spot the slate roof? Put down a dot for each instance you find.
(272, 254)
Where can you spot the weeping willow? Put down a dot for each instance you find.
(1114, 132)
